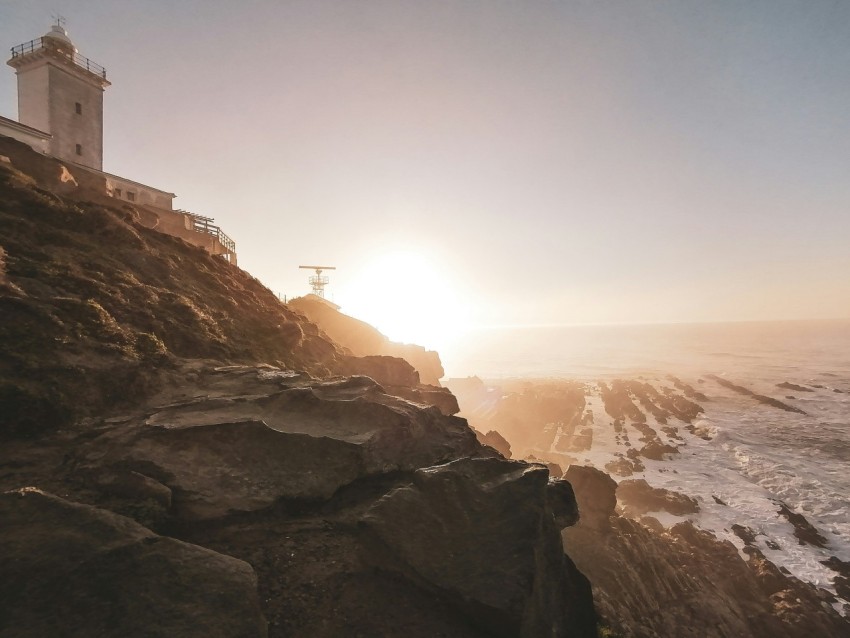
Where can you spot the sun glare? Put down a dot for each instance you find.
(410, 299)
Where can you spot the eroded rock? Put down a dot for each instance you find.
(245, 452)
(495, 441)
(73, 570)
(595, 493)
(684, 582)
(440, 526)
(637, 497)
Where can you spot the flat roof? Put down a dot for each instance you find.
(24, 127)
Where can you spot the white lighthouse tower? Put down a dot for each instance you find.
(60, 92)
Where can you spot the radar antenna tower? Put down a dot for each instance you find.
(317, 281)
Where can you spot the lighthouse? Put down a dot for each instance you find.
(60, 92)
(60, 114)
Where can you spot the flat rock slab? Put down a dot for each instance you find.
(74, 570)
(242, 453)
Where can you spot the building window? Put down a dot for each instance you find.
(78, 107)
(79, 149)
(131, 196)
(117, 192)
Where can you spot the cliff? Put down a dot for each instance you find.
(361, 339)
(184, 455)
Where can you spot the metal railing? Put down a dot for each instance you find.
(203, 224)
(79, 60)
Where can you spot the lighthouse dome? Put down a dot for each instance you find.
(57, 33)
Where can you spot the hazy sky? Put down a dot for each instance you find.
(517, 162)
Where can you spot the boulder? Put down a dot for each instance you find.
(638, 497)
(785, 385)
(804, 531)
(495, 441)
(656, 450)
(388, 371)
(562, 503)
(482, 533)
(73, 570)
(441, 398)
(595, 494)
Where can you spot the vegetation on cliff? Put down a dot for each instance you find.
(95, 307)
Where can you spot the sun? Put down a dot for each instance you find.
(409, 298)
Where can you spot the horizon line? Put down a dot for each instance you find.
(514, 326)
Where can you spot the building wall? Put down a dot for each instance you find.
(33, 102)
(69, 128)
(48, 94)
(180, 225)
(130, 191)
(33, 140)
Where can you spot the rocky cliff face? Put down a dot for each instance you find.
(181, 455)
(359, 513)
(364, 340)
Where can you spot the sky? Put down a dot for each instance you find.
(481, 163)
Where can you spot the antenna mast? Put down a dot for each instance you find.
(317, 282)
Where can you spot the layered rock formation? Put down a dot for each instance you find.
(183, 455)
(358, 511)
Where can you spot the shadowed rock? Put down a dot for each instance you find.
(303, 442)
(617, 402)
(495, 441)
(688, 389)
(441, 525)
(595, 493)
(775, 403)
(441, 398)
(626, 465)
(806, 533)
(637, 497)
(793, 386)
(745, 534)
(561, 501)
(685, 583)
(658, 451)
(73, 570)
(649, 397)
(842, 578)
(389, 371)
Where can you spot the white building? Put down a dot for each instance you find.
(60, 113)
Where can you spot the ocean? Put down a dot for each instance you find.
(753, 456)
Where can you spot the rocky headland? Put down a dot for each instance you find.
(363, 340)
(183, 455)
